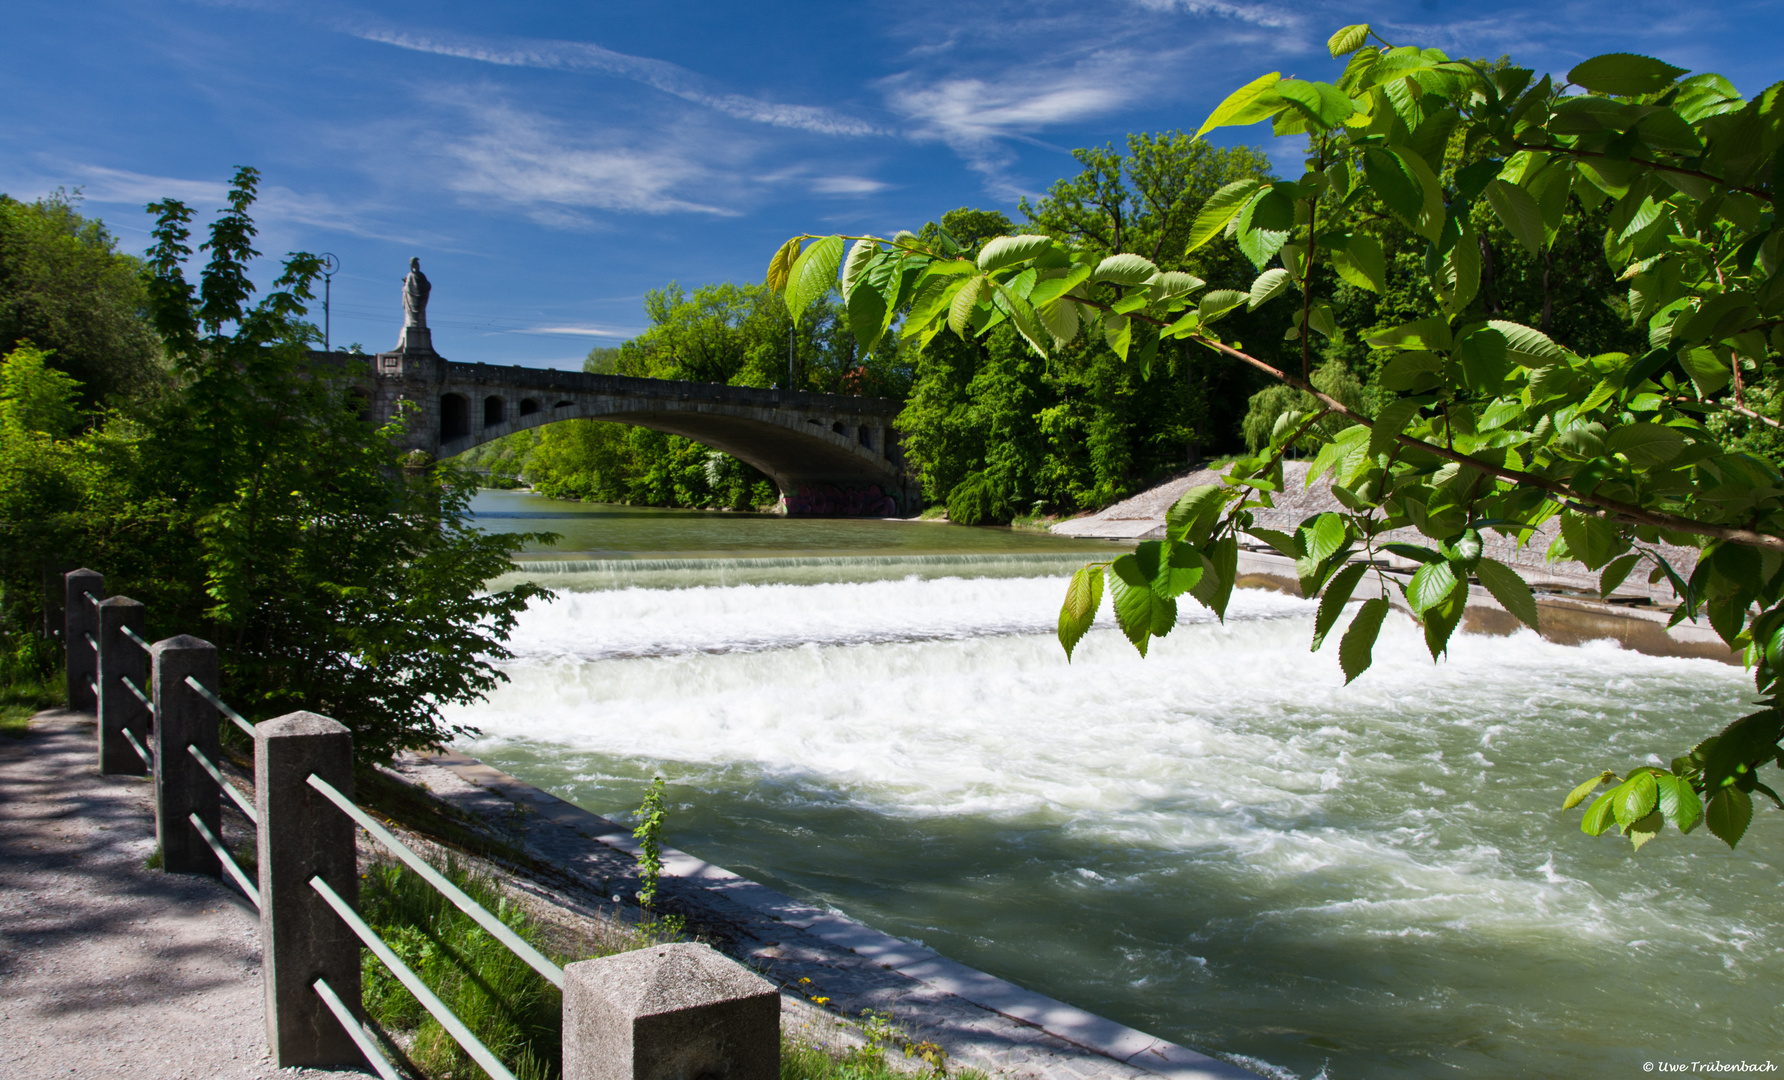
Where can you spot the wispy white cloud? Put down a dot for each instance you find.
(528, 160)
(977, 116)
(1270, 15)
(585, 56)
(580, 331)
(848, 185)
(277, 209)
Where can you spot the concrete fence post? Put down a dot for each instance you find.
(119, 710)
(184, 718)
(303, 835)
(79, 620)
(669, 1012)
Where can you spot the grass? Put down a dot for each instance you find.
(875, 1061)
(21, 699)
(505, 1003)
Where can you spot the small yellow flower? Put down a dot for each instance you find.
(821, 1000)
(806, 981)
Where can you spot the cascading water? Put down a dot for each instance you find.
(1220, 844)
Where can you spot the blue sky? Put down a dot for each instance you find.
(549, 162)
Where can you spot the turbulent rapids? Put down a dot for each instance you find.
(1220, 844)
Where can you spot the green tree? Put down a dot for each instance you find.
(1481, 423)
(65, 288)
(1087, 425)
(248, 503)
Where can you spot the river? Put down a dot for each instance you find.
(1221, 844)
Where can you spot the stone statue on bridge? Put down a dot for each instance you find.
(415, 290)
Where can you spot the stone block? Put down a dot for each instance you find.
(669, 1012)
(183, 718)
(303, 835)
(118, 709)
(79, 620)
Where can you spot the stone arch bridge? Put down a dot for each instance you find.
(830, 454)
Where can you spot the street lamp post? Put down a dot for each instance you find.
(330, 267)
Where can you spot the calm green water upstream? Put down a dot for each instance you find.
(1221, 845)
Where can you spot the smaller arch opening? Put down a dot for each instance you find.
(363, 398)
(455, 417)
(563, 405)
(493, 409)
(528, 407)
(837, 427)
(865, 436)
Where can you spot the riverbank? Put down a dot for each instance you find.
(834, 967)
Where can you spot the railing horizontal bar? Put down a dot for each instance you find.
(453, 1025)
(218, 702)
(134, 636)
(91, 642)
(93, 685)
(136, 746)
(137, 690)
(91, 599)
(228, 788)
(500, 930)
(228, 860)
(354, 1031)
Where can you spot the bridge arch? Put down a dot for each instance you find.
(828, 453)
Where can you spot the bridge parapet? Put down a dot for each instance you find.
(830, 454)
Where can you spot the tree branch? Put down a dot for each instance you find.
(1758, 193)
(1632, 514)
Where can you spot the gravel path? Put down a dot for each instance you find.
(108, 969)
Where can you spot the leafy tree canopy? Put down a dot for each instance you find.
(1481, 422)
(64, 288)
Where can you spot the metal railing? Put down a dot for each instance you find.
(496, 927)
(322, 989)
(166, 694)
(412, 982)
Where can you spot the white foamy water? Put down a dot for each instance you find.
(1221, 843)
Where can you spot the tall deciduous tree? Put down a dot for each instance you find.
(65, 289)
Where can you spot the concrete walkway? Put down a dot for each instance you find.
(108, 969)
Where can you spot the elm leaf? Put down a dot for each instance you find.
(1578, 794)
(1624, 74)
(1337, 594)
(1256, 100)
(1598, 816)
(1356, 650)
(1636, 798)
(813, 274)
(1082, 598)
(1729, 813)
(1509, 589)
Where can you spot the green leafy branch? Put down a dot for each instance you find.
(1489, 424)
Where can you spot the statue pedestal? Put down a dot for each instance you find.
(413, 356)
